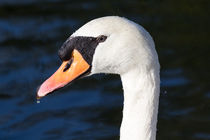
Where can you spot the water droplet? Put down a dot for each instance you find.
(38, 101)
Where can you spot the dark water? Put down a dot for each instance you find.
(31, 31)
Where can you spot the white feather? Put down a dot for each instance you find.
(129, 51)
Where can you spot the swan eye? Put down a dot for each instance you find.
(101, 38)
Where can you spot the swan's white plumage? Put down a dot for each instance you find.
(129, 51)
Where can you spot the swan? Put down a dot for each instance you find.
(115, 45)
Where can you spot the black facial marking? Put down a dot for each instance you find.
(66, 49)
(85, 45)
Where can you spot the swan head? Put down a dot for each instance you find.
(105, 45)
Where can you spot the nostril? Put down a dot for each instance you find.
(68, 65)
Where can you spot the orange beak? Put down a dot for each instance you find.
(62, 77)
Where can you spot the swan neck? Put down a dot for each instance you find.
(141, 98)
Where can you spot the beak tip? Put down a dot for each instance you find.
(38, 97)
(41, 92)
